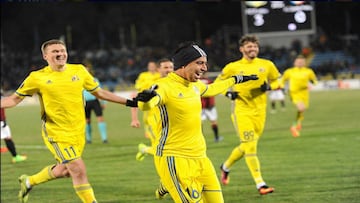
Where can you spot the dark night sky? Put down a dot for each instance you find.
(156, 22)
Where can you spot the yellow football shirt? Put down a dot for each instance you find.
(145, 80)
(298, 78)
(179, 103)
(250, 97)
(61, 100)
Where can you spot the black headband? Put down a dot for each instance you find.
(186, 55)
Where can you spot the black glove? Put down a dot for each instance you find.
(132, 103)
(4, 124)
(231, 95)
(265, 87)
(244, 78)
(146, 95)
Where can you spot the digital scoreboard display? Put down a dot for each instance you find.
(271, 18)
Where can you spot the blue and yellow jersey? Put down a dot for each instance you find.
(250, 97)
(145, 80)
(299, 78)
(179, 104)
(61, 99)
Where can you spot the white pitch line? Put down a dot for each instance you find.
(31, 146)
(126, 147)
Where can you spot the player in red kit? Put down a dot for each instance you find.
(209, 110)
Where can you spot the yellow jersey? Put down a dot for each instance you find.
(250, 97)
(179, 104)
(61, 100)
(299, 78)
(145, 80)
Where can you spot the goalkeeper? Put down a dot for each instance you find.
(180, 157)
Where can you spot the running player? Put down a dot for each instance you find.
(9, 142)
(180, 157)
(298, 78)
(209, 111)
(249, 108)
(144, 81)
(276, 94)
(59, 86)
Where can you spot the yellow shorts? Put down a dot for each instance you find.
(65, 152)
(153, 126)
(189, 179)
(249, 126)
(300, 97)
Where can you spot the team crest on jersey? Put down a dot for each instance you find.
(75, 78)
(180, 95)
(48, 82)
(261, 69)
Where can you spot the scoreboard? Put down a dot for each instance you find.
(278, 18)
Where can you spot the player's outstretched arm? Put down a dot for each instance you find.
(111, 97)
(244, 78)
(146, 95)
(265, 87)
(10, 101)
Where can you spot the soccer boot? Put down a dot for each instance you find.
(141, 153)
(18, 158)
(225, 178)
(294, 131)
(159, 194)
(219, 139)
(265, 190)
(4, 149)
(24, 191)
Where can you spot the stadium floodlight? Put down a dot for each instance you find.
(278, 18)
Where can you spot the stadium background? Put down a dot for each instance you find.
(117, 39)
(321, 166)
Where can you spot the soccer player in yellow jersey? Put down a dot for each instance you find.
(299, 77)
(249, 108)
(143, 82)
(59, 86)
(164, 66)
(180, 157)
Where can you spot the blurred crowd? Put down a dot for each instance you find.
(120, 67)
(117, 40)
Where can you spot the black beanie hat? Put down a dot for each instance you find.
(186, 54)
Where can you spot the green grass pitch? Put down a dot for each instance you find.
(322, 165)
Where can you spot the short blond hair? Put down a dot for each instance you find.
(51, 42)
